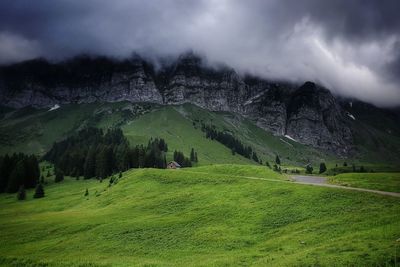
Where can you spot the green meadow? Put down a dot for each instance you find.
(378, 181)
(226, 211)
(217, 215)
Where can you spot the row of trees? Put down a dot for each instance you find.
(39, 192)
(18, 170)
(93, 153)
(180, 158)
(322, 168)
(230, 141)
(309, 168)
(354, 168)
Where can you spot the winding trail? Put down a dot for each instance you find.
(309, 180)
(322, 181)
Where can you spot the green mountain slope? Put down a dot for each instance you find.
(206, 216)
(33, 131)
(376, 133)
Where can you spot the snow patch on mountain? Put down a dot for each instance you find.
(251, 100)
(351, 115)
(291, 138)
(56, 106)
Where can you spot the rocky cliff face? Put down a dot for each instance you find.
(308, 114)
(315, 117)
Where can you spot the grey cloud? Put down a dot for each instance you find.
(349, 46)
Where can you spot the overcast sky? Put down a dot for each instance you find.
(350, 46)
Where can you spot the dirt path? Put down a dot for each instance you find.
(310, 180)
(322, 181)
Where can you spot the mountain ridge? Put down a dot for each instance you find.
(309, 113)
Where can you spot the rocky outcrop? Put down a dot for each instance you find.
(316, 118)
(309, 114)
(217, 90)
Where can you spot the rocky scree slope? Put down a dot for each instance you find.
(309, 114)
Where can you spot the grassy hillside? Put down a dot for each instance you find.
(179, 134)
(198, 217)
(379, 181)
(34, 131)
(376, 134)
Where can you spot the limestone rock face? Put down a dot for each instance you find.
(217, 90)
(23, 86)
(310, 114)
(316, 118)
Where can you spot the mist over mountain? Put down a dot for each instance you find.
(350, 47)
(306, 112)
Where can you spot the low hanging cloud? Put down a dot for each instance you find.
(351, 47)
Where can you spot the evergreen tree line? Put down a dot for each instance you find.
(193, 156)
(180, 158)
(93, 153)
(230, 141)
(18, 170)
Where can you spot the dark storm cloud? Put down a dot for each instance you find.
(349, 46)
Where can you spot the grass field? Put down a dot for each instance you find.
(205, 216)
(379, 181)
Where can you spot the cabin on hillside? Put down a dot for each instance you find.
(173, 165)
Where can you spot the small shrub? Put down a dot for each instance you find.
(21, 194)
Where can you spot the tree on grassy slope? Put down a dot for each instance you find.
(59, 176)
(17, 177)
(21, 194)
(16, 170)
(89, 168)
(192, 159)
(322, 167)
(39, 191)
(277, 160)
(309, 169)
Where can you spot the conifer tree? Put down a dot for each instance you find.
(268, 165)
(59, 176)
(255, 157)
(5, 171)
(276, 168)
(192, 157)
(277, 160)
(32, 174)
(17, 177)
(322, 167)
(89, 167)
(309, 169)
(103, 163)
(21, 195)
(39, 191)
